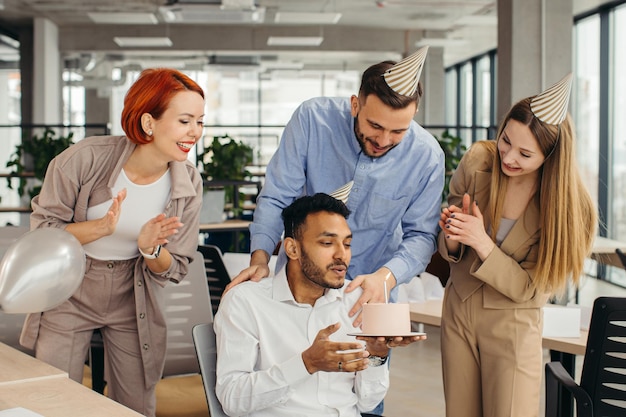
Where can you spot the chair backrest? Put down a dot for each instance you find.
(216, 272)
(604, 368)
(184, 305)
(204, 340)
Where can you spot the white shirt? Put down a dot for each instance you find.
(142, 203)
(261, 333)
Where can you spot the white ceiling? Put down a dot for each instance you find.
(367, 31)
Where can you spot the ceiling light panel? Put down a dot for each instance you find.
(124, 18)
(142, 42)
(307, 18)
(295, 40)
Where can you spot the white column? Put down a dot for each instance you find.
(47, 97)
(534, 47)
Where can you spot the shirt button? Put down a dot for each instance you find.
(139, 283)
(110, 265)
(142, 315)
(146, 346)
(362, 166)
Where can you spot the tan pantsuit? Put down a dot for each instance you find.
(492, 319)
(104, 300)
(123, 297)
(492, 358)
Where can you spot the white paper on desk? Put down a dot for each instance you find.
(19, 412)
(561, 321)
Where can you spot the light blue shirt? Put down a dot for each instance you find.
(395, 200)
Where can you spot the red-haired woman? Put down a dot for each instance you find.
(133, 202)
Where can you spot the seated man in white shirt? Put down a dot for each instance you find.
(283, 347)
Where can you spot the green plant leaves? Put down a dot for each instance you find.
(38, 150)
(453, 149)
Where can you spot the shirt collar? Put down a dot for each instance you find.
(281, 291)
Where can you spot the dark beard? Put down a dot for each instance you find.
(314, 273)
(360, 138)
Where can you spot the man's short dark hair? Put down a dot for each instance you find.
(373, 82)
(296, 213)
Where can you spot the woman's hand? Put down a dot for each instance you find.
(469, 229)
(156, 231)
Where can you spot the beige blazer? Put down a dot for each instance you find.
(506, 274)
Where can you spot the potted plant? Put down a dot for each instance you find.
(453, 149)
(31, 159)
(223, 161)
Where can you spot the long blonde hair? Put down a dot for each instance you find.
(568, 217)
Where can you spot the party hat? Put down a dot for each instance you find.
(342, 193)
(551, 106)
(404, 76)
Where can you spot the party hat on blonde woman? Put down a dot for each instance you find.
(342, 193)
(551, 106)
(404, 76)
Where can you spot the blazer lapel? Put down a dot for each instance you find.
(524, 227)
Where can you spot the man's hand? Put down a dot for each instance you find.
(258, 269)
(325, 355)
(380, 345)
(373, 286)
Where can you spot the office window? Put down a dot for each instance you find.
(483, 97)
(466, 98)
(451, 96)
(619, 124)
(586, 100)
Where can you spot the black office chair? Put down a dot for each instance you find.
(216, 273)
(602, 389)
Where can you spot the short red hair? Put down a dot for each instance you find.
(152, 93)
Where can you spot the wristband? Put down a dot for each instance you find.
(155, 253)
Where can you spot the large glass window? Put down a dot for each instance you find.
(619, 124)
(586, 102)
(483, 97)
(466, 100)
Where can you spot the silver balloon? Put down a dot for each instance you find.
(40, 270)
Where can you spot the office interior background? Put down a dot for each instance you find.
(68, 63)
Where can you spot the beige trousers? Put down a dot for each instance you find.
(492, 359)
(104, 300)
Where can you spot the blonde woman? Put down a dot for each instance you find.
(518, 227)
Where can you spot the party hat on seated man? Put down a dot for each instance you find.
(551, 106)
(342, 193)
(404, 76)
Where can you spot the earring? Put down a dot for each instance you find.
(149, 132)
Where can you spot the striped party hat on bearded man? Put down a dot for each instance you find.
(551, 106)
(404, 76)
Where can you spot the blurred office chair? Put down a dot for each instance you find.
(184, 305)
(602, 389)
(206, 350)
(622, 256)
(216, 272)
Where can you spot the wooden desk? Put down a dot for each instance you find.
(60, 397)
(429, 312)
(16, 366)
(32, 384)
(604, 251)
(233, 225)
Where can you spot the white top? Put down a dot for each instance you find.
(142, 203)
(261, 334)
